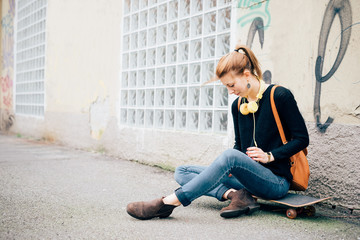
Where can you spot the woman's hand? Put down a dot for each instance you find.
(257, 154)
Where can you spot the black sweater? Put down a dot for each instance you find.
(266, 132)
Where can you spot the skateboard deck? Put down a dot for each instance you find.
(296, 204)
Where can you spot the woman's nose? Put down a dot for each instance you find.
(231, 91)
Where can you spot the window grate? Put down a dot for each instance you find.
(170, 48)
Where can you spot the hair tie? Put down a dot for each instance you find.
(246, 54)
(244, 50)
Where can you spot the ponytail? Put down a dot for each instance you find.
(237, 61)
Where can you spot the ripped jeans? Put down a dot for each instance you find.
(214, 180)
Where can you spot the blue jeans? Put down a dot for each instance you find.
(214, 180)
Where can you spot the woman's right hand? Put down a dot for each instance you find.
(257, 154)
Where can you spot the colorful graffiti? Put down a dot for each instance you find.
(256, 13)
(341, 8)
(7, 24)
(7, 71)
(258, 9)
(6, 88)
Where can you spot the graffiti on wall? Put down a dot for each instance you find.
(256, 13)
(7, 24)
(258, 9)
(341, 8)
(7, 71)
(259, 16)
(6, 88)
(257, 26)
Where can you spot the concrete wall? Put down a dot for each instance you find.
(83, 73)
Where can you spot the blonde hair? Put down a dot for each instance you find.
(237, 61)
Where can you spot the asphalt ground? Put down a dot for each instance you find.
(49, 191)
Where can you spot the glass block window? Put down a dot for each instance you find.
(30, 57)
(169, 49)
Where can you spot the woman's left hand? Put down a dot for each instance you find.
(257, 154)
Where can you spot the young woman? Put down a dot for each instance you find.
(259, 162)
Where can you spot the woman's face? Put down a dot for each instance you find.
(235, 84)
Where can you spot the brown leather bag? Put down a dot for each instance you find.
(299, 163)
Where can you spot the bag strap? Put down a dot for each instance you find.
(276, 115)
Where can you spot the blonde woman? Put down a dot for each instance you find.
(259, 162)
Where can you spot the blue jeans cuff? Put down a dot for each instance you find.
(220, 193)
(182, 198)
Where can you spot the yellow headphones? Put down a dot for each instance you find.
(253, 106)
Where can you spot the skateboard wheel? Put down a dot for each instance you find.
(310, 211)
(291, 213)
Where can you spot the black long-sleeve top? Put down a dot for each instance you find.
(266, 132)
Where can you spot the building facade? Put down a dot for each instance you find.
(126, 77)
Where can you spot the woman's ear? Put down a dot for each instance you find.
(246, 73)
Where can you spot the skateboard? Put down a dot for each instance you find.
(296, 204)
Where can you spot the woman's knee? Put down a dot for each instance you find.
(228, 155)
(230, 158)
(179, 174)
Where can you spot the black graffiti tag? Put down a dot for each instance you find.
(341, 8)
(257, 26)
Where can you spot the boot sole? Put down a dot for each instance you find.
(238, 212)
(159, 215)
(162, 215)
(252, 209)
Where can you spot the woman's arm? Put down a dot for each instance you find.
(235, 112)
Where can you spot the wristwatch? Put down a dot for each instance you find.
(269, 156)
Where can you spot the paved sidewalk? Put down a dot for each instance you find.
(54, 192)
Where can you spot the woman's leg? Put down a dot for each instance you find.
(257, 179)
(184, 174)
(253, 176)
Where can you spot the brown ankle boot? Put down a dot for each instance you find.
(241, 202)
(150, 209)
